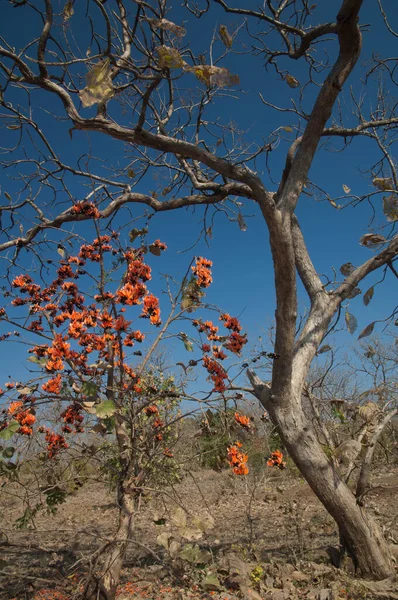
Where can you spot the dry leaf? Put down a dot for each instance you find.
(169, 58)
(372, 239)
(351, 322)
(368, 296)
(99, 86)
(390, 207)
(346, 188)
(167, 26)
(292, 81)
(214, 75)
(382, 183)
(226, 38)
(367, 331)
(69, 10)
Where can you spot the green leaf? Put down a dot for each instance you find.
(287, 128)
(37, 360)
(187, 343)
(7, 433)
(368, 296)
(211, 583)
(89, 389)
(194, 555)
(325, 348)
(8, 452)
(134, 233)
(351, 322)
(367, 331)
(105, 409)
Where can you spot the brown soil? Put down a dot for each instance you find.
(272, 540)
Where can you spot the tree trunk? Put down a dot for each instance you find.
(103, 582)
(362, 536)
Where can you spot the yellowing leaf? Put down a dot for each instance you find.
(351, 322)
(368, 296)
(169, 58)
(99, 84)
(226, 38)
(292, 81)
(382, 183)
(131, 173)
(61, 251)
(346, 188)
(214, 75)
(390, 207)
(167, 26)
(372, 239)
(288, 129)
(68, 10)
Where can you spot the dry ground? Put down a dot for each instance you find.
(272, 540)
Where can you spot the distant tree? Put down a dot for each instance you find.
(155, 95)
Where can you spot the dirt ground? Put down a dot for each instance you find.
(271, 540)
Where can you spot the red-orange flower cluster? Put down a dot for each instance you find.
(276, 460)
(242, 420)
(202, 272)
(55, 443)
(151, 309)
(72, 417)
(26, 419)
(53, 386)
(217, 373)
(208, 328)
(237, 459)
(85, 208)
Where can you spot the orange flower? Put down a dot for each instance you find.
(202, 272)
(53, 386)
(151, 309)
(276, 460)
(242, 420)
(131, 294)
(14, 406)
(236, 342)
(230, 322)
(151, 410)
(238, 460)
(86, 208)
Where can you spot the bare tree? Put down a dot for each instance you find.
(138, 73)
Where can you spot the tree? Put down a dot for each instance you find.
(138, 70)
(82, 345)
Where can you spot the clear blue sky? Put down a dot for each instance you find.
(243, 276)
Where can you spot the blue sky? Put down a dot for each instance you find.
(243, 275)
